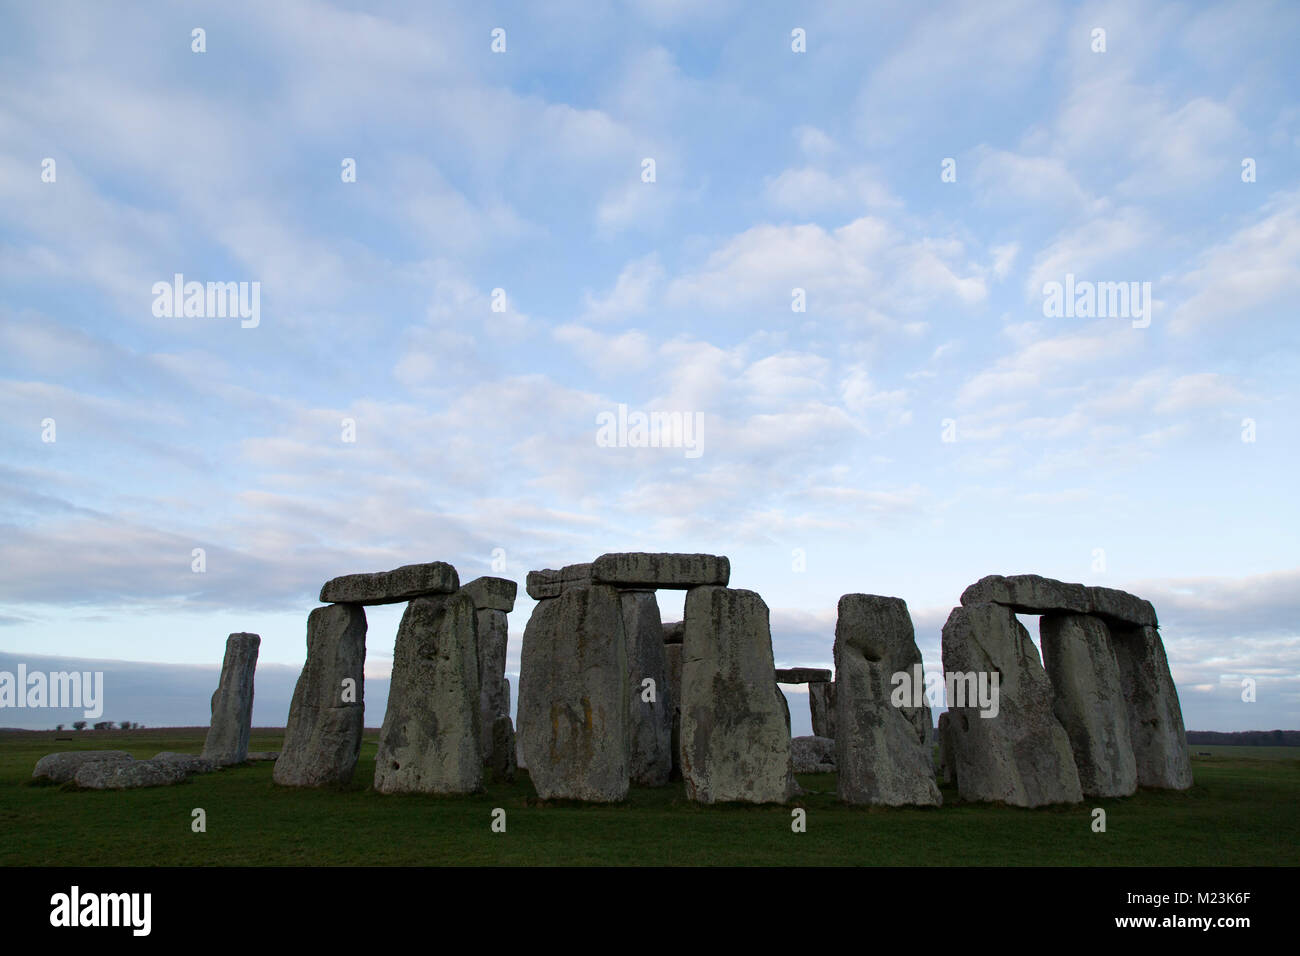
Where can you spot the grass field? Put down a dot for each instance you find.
(1243, 811)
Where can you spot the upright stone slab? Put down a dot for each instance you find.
(573, 728)
(391, 587)
(821, 703)
(1089, 702)
(650, 723)
(1155, 717)
(880, 750)
(322, 738)
(656, 570)
(1020, 753)
(675, 632)
(735, 745)
(813, 754)
(503, 749)
(944, 767)
(232, 702)
(493, 599)
(430, 741)
(673, 656)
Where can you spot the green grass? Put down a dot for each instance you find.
(1242, 811)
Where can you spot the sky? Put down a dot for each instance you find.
(835, 261)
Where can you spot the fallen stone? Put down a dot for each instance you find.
(232, 702)
(881, 753)
(573, 728)
(263, 756)
(190, 763)
(488, 593)
(392, 587)
(655, 570)
(1089, 702)
(802, 675)
(1155, 716)
(650, 722)
(675, 632)
(322, 738)
(503, 749)
(821, 703)
(735, 745)
(813, 754)
(1021, 756)
(1028, 594)
(549, 583)
(1120, 607)
(128, 774)
(431, 741)
(63, 766)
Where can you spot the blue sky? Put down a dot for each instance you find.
(1085, 448)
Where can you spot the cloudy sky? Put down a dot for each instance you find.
(838, 265)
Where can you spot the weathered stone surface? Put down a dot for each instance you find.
(573, 726)
(1022, 755)
(1155, 716)
(673, 657)
(392, 587)
(650, 723)
(880, 748)
(503, 749)
(675, 632)
(431, 740)
(549, 583)
(494, 699)
(62, 767)
(1027, 594)
(128, 774)
(322, 738)
(190, 763)
(735, 745)
(802, 675)
(813, 754)
(642, 569)
(944, 767)
(1120, 607)
(1089, 702)
(263, 756)
(785, 709)
(232, 702)
(821, 703)
(488, 593)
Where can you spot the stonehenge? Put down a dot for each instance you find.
(232, 702)
(612, 697)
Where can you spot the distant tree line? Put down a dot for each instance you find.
(104, 725)
(1246, 738)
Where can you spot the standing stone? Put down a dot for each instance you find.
(1020, 754)
(573, 729)
(323, 736)
(821, 702)
(503, 749)
(1155, 717)
(430, 741)
(1090, 702)
(881, 753)
(735, 745)
(813, 754)
(785, 709)
(674, 632)
(392, 587)
(232, 702)
(945, 769)
(493, 599)
(673, 655)
(650, 723)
